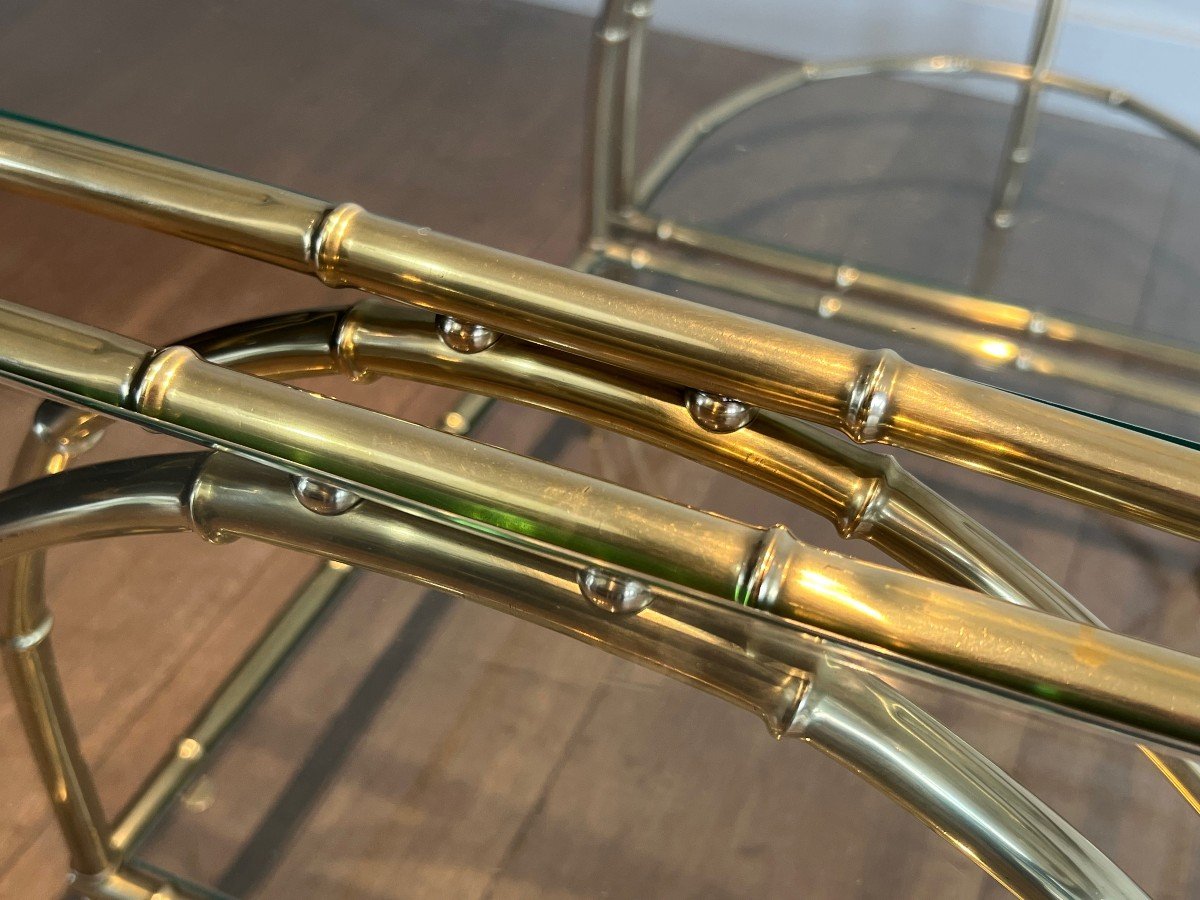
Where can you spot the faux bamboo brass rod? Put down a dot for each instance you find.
(983, 348)
(607, 73)
(920, 763)
(863, 494)
(872, 497)
(850, 284)
(871, 396)
(298, 344)
(1144, 691)
(927, 769)
(97, 511)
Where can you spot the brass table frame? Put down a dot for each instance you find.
(623, 234)
(749, 614)
(373, 338)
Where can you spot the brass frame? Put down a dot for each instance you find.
(864, 495)
(665, 585)
(622, 232)
(728, 651)
(869, 396)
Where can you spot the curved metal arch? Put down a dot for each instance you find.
(980, 810)
(863, 494)
(728, 108)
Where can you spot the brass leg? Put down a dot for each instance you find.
(50, 730)
(610, 48)
(1019, 144)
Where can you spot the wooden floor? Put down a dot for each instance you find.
(426, 747)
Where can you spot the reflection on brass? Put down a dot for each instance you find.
(987, 333)
(896, 616)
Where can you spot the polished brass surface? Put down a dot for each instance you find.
(864, 495)
(989, 333)
(1000, 826)
(983, 323)
(1136, 688)
(750, 615)
(376, 338)
(1019, 144)
(98, 510)
(869, 396)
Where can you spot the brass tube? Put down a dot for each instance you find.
(611, 36)
(982, 348)
(639, 12)
(869, 396)
(942, 780)
(864, 297)
(1139, 689)
(864, 495)
(1019, 143)
(100, 508)
(1020, 842)
(841, 718)
(137, 880)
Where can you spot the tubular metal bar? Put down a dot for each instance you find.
(724, 110)
(61, 433)
(855, 288)
(1138, 689)
(978, 808)
(639, 12)
(982, 348)
(863, 494)
(612, 35)
(290, 345)
(133, 497)
(871, 396)
(1019, 143)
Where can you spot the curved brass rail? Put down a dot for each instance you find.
(724, 110)
(862, 494)
(870, 396)
(1141, 690)
(1007, 831)
(328, 341)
